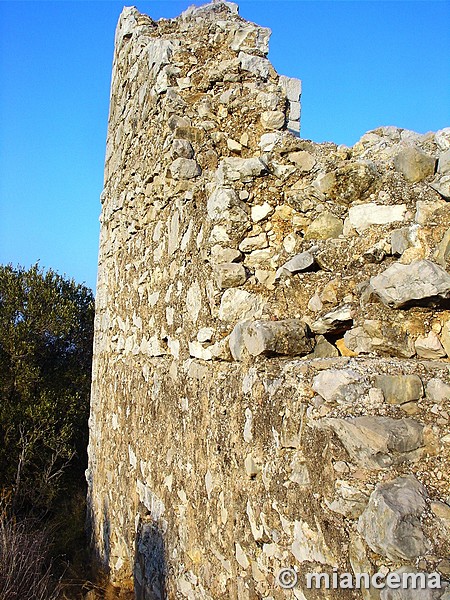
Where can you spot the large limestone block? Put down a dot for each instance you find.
(431, 589)
(429, 346)
(240, 169)
(391, 524)
(230, 275)
(341, 386)
(362, 216)
(324, 227)
(414, 164)
(291, 86)
(185, 168)
(378, 442)
(398, 389)
(272, 119)
(352, 181)
(420, 281)
(442, 186)
(381, 338)
(254, 64)
(444, 163)
(237, 305)
(335, 321)
(288, 337)
(298, 263)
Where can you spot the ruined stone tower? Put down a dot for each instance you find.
(271, 373)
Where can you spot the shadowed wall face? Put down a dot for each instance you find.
(272, 328)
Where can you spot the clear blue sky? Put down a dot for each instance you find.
(363, 64)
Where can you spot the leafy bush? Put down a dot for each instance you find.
(46, 332)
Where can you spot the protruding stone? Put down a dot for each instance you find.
(325, 226)
(391, 524)
(236, 341)
(198, 351)
(444, 163)
(336, 321)
(256, 242)
(402, 239)
(241, 557)
(260, 211)
(272, 119)
(237, 304)
(205, 334)
(182, 148)
(426, 210)
(223, 254)
(254, 64)
(292, 87)
(185, 168)
(220, 202)
(301, 262)
(420, 281)
(288, 337)
(349, 501)
(379, 442)
(398, 389)
(239, 169)
(352, 181)
(429, 346)
(266, 278)
(362, 216)
(304, 161)
(230, 275)
(221, 350)
(442, 186)
(437, 390)
(251, 468)
(233, 145)
(414, 164)
(270, 140)
(381, 338)
(323, 348)
(341, 386)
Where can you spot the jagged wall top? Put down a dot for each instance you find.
(217, 43)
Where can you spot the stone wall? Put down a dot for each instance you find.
(271, 371)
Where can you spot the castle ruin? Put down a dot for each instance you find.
(272, 337)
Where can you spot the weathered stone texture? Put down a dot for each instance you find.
(272, 328)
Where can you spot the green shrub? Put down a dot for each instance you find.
(46, 332)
